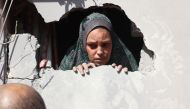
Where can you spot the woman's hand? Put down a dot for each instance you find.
(43, 63)
(83, 68)
(120, 68)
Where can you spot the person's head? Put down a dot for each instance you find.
(97, 38)
(20, 96)
(99, 46)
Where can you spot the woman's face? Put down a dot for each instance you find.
(99, 46)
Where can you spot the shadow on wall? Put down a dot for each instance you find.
(67, 3)
(149, 52)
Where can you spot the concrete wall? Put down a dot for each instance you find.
(163, 86)
(165, 26)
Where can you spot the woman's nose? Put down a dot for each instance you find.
(99, 51)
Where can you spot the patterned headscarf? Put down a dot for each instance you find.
(77, 54)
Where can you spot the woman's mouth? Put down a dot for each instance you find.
(99, 61)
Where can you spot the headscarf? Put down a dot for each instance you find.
(77, 54)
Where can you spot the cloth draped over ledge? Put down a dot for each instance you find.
(64, 33)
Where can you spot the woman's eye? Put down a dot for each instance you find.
(106, 45)
(92, 46)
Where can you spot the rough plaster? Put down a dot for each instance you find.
(159, 84)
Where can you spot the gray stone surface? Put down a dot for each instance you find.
(103, 88)
(159, 84)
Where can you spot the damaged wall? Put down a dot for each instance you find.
(162, 83)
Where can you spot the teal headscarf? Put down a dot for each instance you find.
(77, 54)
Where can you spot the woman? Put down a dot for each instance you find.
(97, 45)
